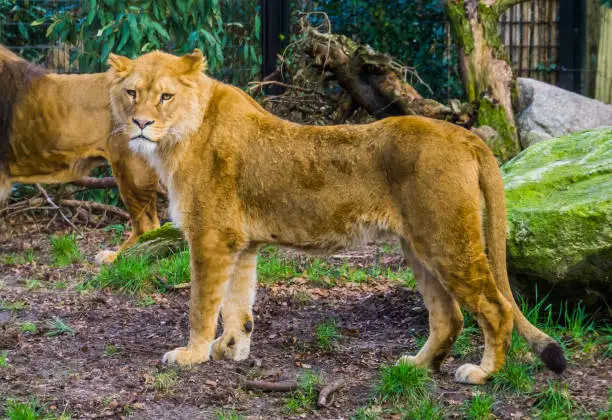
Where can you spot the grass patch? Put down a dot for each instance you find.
(271, 267)
(404, 382)
(227, 415)
(117, 233)
(32, 284)
(28, 327)
(141, 275)
(111, 350)
(515, 378)
(145, 301)
(58, 327)
(480, 407)
(327, 334)
(464, 346)
(305, 397)
(165, 382)
(423, 410)
(13, 259)
(555, 402)
(128, 274)
(65, 250)
(4, 358)
(18, 305)
(17, 410)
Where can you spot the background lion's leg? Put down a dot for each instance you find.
(445, 318)
(212, 265)
(473, 286)
(137, 184)
(237, 310)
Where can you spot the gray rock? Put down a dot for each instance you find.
(546, 111)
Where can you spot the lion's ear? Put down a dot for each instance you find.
(120, 63)
(194, 62)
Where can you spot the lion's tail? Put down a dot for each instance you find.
(492, 187)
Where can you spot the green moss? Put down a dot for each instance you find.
(505, 145)
(462, 32)
(166, 231)
(489, 18)
(158, 243)
(559, 201)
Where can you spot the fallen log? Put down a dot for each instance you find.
(285, 386)
(328, 390)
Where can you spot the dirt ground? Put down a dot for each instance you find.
(79, 374)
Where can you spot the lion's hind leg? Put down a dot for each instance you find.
(237, 310)
(445, 318)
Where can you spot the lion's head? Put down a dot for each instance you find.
(156, 97)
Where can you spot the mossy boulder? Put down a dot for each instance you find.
(158, 243)
(559, 201)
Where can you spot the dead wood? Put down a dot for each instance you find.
(328, 390)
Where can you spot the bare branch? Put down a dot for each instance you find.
(96, 183)
(328, 390)
(286, 386)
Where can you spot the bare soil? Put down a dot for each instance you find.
(78, 373)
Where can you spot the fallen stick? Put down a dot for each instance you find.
(285, 386)
(96, 183)
(328, 390)
(93, 205)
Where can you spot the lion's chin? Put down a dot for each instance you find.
(143, 146)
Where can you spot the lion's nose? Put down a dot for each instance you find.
(142, 124)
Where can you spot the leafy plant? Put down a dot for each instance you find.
(327, 334)
(404, 382)
(28, 327)
(555, 402)
(132, 29)
(58, 327)
(65, 250)
(480, 407)
(515, 377)
(305, 397)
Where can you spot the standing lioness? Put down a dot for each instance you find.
(239, 177)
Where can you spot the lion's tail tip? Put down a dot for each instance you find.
(553, 358)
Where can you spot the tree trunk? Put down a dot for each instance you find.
(485, 69)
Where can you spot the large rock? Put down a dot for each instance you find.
(546, 111)
(559, 200)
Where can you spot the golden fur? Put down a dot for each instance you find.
(240, 177)
(57, 128)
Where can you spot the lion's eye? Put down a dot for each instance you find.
(131, 92)
(166, 97)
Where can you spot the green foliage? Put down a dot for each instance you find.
(271, 267)
(141, 275)
(464, 346)
(305, 397)
(555, 402)
(515, 377)
(415, 36)
(117, 231)
(126, 274)
(57, 327)
(165, 381)
(65, 250)
(327, 334)
(131, 29)
(4, 358)
(28, 327)
(425, 409)
(404, 382)
(18, 305)
(227, 415)
(17, 410)
(21, 26)
(479, 407)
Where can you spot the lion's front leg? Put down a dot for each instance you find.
(237, 310)
(212, 264)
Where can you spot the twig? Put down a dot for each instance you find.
(44, 193)
(285, 386)
(96, 183)
(93, 205)
(328, 390)
(258, 85)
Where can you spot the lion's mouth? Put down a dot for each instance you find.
(141, 137)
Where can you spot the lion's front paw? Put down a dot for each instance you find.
(106, 256)
(232, 347)
(471, 374)
(185, 356)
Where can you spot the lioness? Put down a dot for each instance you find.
(239, 177)
(57, 128)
